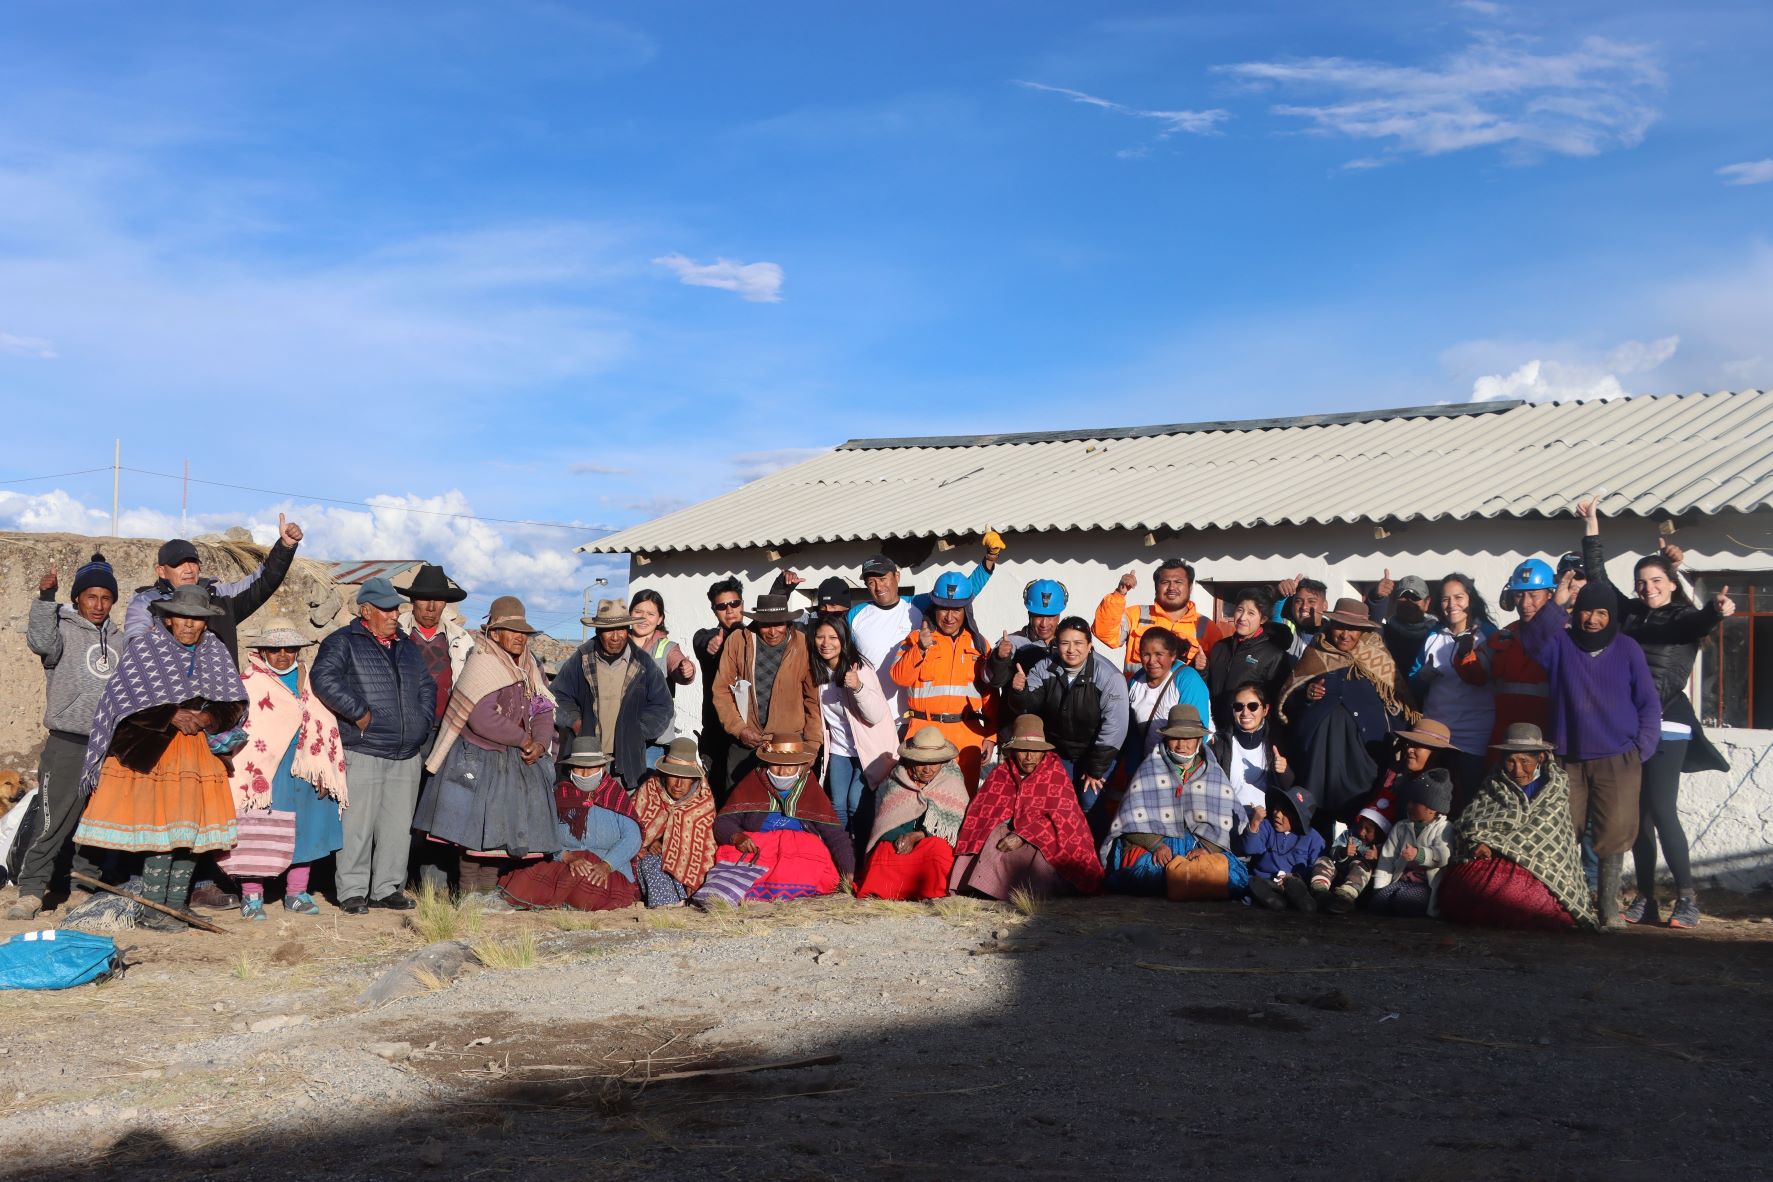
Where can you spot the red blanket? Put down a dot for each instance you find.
(1497, 893)
(1041, 808)
(921, 874)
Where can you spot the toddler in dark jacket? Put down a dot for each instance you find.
(1282, 849)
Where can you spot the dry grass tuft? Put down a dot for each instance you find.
(1027, 904)
(437, 917)
(670, 919)
(246, 966)
(519, 952)
(959, 909)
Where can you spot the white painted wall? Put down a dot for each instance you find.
(1729, 816)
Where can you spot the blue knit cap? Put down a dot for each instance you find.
(96, 573)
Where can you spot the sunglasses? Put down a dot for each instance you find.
(1245, 707)
(1410, 595)
(281, 650)
(729, 605)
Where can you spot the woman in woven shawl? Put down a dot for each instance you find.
(917, 821)
(779, 817)
(676, 814)
(1173, 834)
(491, 790)
(1345, 697)
(1516, 863)
(288, 780)
(158, 785)
(599, 839)
(1025, 830)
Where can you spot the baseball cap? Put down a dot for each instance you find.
(176, 552)
(379, 592)
(1412, 585)
(880, 564)
(833, 590)
(1572, 562)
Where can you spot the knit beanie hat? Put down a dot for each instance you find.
(96, 573)
(1433, 788)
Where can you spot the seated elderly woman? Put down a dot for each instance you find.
(599, 841)
(779, 817)
(1025, 830)
(676, 814)
(916, 821)
(1516, 863)
(1173, 834)
(1342, 702)
(491, 787)
(153, 764)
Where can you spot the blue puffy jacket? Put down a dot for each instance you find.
(353, 674)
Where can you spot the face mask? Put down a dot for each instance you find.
(587, 781)
(780, 782)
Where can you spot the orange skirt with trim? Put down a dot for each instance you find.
(183, 804)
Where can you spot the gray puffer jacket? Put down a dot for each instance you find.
(79, 658)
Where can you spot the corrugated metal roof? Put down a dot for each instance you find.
(356, 573)
(1664, 454)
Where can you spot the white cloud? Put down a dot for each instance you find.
(1481, 7)
(760, 283)
(1749, 172)
(1495, 92)
(588, 468)
(535, 563)
(1541, 380)
(36, 347)
(1174, 122)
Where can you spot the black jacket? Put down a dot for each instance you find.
(1084, 720)
(1262, 659)
(1403, 641)
(238, 599)
(1220, 746)
(643, 715)
(353, 673)
(710, 665)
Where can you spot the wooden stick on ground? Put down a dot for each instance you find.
(172, 911)
(820, 1061)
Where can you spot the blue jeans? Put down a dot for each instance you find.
(843, 780)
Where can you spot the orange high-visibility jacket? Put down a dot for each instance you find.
(946, 679)
(1120, 623)
(1522, 687)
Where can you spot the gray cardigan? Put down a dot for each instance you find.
(79, 658)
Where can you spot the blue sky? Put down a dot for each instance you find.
(584, 263)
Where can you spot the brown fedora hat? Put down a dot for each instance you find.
(611, 614)
(507, 613)
(1522, 736)
(680, 759)
(1352, 613)
(1028, 733)
(772, 609)
(1183, 722)
(1429, 733)
(786, 749)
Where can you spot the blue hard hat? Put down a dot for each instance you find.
(1532, 575)
(951, 590)
(1044, 597)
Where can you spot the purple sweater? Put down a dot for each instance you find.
(1601, 704)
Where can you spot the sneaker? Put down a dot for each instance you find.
(27, 908)
(355, 905)
(1320, 886)
(1343, 901)
(213, 898)
(159, 921)
(1264, 892)
(302, 904)
(1685, 913)
(252, 907)
(1643, 909)
(397, 901)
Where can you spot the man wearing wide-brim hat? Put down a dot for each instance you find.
(765, 684)
(611, 690)
(439, 634)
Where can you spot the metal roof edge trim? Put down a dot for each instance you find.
(1339, 418)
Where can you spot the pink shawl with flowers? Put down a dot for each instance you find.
(275, 719)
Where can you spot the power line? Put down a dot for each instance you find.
(56, 476)
(271, 492)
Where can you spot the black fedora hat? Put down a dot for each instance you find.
(432, 583)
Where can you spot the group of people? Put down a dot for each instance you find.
(1408, 753)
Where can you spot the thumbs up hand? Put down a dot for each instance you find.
(1386, 586)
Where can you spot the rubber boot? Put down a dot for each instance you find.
(1611, 869)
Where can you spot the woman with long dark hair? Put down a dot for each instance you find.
(1669, 627)
(646, 628)
(1452, 677)
(860, 739)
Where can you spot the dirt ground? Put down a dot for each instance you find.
(960, 1039)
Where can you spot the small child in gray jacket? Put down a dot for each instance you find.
(1408, 873)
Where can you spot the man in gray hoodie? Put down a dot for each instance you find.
(80, 649)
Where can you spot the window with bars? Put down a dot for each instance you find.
(1737, 660)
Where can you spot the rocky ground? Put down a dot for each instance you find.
(960, 1039)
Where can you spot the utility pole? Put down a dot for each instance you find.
(116, 480)
(185, 501)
